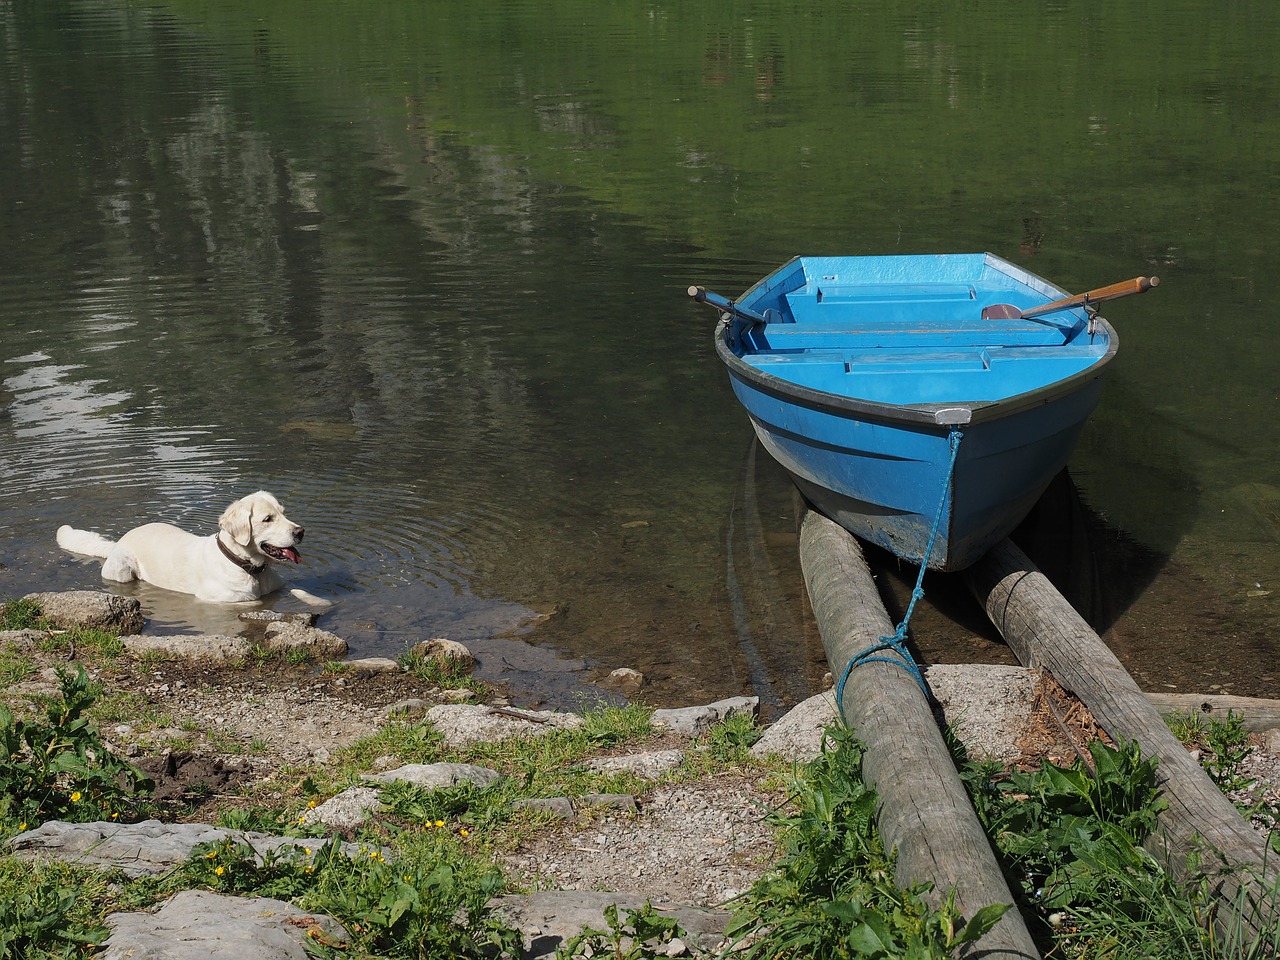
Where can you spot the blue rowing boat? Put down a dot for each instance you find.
(922, 402)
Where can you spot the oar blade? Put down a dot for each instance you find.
(1001, 311)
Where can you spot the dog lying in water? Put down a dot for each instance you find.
(232, 566)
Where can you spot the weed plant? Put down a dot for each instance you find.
(831, 895)
(59, 768)
(1072, 841)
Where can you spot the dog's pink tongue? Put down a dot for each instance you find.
(291, 554)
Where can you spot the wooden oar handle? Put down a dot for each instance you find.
(1123, 289)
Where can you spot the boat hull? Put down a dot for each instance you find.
(885, 471)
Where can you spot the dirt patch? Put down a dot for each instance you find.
(1060, 727)
(184, 777)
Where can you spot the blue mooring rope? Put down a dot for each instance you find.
(898, 642)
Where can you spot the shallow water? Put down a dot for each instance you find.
(420, 273)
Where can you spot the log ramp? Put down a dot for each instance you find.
(923, 809)
(1044, 631)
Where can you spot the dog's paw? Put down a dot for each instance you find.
(310, 598)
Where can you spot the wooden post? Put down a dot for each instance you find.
(1257, 715)
(1043, 630)
(924, 811)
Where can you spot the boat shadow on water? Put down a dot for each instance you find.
(1098, 569)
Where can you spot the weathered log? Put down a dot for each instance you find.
(1257, 715)
(1043, 631)
(924, 811)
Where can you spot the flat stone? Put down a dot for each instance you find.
(138, 849)
(650, 765)
(798, 734)
(91, 608)
(436, 776)
(214, 647)
(613, 801)
(319, 644)
(23, 639)
(695, 721)
(200, 925)
(559, 807)
(372, 665)
(988, 706)
(464, 724)
(306, 619)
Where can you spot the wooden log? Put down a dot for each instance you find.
(1258, 715)
(1045, 632)
(924, 811)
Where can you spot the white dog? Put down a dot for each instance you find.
(232, 566)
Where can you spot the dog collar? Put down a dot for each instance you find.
(252, 569)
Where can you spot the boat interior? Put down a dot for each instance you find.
(915, 343)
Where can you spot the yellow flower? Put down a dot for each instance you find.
(311, 804)
(22, 825)
(307, 851)
(439, 824)
(220, 871)
(211, 854)
(75, 797)
(464, 832)
(114, 815)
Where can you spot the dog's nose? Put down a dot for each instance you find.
(298, 532)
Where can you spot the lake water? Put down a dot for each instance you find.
(420, 271)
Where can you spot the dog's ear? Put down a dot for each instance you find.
(237, 520)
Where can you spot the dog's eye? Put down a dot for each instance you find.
(268, 518)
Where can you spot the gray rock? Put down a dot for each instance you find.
(90, 608)
(214, 647)
(464, 724)
(372, 665)
(613, 801)
(319, 644)
(22, 639)
(138, 849)
(434, 776)
(987, 706)
(199, 925)
(650, 765)
(627, 680)
(450, 652)
(275, 616)
(694, 721)
(549, 918)
(797, 734)
(346, 810)
(559, 807)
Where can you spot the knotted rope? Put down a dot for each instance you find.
(894, 648)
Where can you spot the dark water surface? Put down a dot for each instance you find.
(420, 269)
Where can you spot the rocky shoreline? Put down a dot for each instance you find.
(686, 847)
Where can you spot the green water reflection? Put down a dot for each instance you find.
(422, 267)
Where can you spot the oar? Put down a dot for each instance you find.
(1007, 311)
(725, 305)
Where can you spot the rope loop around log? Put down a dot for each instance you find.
(897, 644)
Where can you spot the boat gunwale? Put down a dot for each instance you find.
(922, 414)
(919, 413)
